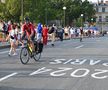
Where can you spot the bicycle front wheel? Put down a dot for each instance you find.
(24, 55)
(37, 56)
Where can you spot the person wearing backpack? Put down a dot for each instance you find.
(53, 34)
(12, 39)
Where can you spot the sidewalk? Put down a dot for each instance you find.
(7, 44)
(4, 45)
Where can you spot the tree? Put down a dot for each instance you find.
(40, 10)
(13, 9)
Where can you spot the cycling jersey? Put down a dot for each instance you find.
(29, 29)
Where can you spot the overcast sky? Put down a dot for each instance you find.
(96, 0)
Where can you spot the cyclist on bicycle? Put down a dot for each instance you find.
(28, 31)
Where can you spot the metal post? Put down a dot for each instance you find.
(64, 18)
(81, 20)
(64, 8)
(22, 11)
(46, 16)
(102, 26)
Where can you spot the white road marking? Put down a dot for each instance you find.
(40, 71)
(79, 47)
(6, 77)
(7, 51)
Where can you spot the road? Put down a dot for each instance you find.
(69, 65)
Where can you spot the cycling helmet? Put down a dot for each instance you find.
(27, 19)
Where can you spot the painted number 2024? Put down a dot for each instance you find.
(78, 73)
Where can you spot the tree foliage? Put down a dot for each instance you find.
(40, 10)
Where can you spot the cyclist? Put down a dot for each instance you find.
(81, 34)
(28, 31)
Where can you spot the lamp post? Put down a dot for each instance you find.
(64, 8)
(46, 16)
(22, 12)
(82, 20)
(102, 25)
(92, 21)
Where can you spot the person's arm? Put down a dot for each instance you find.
(7, 38)
(32, 30)
(23, 29)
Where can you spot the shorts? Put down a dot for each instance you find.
(32, 37)
(39, 37)
(13, 40)
(25, 37)
(66, 34)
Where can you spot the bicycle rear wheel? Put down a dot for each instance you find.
(37, 56)
(24, 55)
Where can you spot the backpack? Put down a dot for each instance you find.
(51, 30)
(5, 27)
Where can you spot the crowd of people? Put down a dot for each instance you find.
(17, 32)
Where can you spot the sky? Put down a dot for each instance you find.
(96, 0)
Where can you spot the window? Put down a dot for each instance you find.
(103, 9)
(96, 9)
(100, 18)
(106, 19)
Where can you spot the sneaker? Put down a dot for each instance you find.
(9, 54)
(14, 54)
(52, 45)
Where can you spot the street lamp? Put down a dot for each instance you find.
(92, 21)
(82, 19)
(64, 8)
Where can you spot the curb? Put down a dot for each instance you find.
(8, 45)
(5, 46)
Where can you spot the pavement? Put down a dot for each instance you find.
(7, 44)
(69, 65)
(4, 45)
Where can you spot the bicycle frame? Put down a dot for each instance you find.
(29, 49)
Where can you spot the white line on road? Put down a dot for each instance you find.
(6, 51)
(79, 46)
(10, 75)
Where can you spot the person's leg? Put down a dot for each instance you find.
(43, 40)
(32, 42)
(10, 51)
(14, 48)
(53, 38)
(46, 40)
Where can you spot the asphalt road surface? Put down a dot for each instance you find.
(69, 65)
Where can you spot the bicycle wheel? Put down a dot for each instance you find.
(24, 55)
(37, 56)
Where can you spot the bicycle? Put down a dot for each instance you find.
(27, 53)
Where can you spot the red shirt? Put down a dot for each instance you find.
(45, 31)
(29, 28)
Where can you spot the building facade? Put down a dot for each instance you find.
(101, 8)
(101, 11)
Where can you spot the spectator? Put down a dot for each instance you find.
(52, 33)
(45, 34)
(12, 38)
